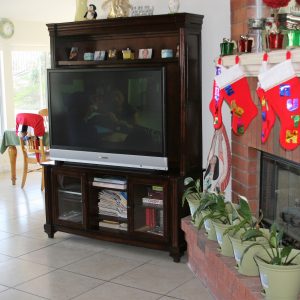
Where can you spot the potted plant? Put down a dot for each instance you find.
(246, 221)
(199, 203)
(279, 265)
(222, 216)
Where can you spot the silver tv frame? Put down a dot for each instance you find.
(110, 159)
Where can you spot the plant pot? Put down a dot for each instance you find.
(193, 205)
(248, 266)
(279, 282)
(209, 228)
(223, 240)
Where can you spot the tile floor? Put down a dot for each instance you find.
(34, 267)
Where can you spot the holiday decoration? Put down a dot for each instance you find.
(217, 173)
(280, 87)
(276, 3)
(298, 2)
(232, 86)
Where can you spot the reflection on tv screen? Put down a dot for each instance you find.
(108, 110)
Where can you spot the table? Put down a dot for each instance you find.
(10, 140)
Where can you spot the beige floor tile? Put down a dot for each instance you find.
(191, 290)
(135, 253)
(3, 288)
(154, 278)
(19, 245)
(83, 243)
(16, 271)
(12, 294)
(111, 291)
(57, 257)
(5, 235)
(142, 273)
(171, 298)
(103, 266)
(59, 285)
(41, 235)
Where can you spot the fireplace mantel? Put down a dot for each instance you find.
(251, 62)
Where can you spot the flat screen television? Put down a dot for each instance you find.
(108, 116)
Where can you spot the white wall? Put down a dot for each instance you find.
(216, 25)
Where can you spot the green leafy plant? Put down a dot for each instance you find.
(244, 218)
(277, 253)
(212, 202)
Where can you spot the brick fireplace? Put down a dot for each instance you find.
(246, 156)
(246, 149)
(216, 271)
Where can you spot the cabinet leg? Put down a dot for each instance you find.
(176, 254)
(49, 230)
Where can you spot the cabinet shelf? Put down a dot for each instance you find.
(111, 218)
(115, 62)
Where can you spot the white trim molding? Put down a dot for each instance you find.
(252, 62)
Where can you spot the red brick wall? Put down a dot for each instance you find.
(216, 271)
(246, 155)
(241, 11)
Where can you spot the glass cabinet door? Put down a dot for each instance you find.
(69, 199)
(149, 209)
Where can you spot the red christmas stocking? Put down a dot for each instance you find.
(267, 113)
(215, 105)
(282, 91)
(235, 90)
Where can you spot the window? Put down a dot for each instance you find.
(29, 70)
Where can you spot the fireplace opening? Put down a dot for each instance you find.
(280, 195)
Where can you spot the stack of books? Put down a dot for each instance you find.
(113, 203)
(154, 214)
(113, 225)
(110, 182)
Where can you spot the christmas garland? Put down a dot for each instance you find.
(277, 3)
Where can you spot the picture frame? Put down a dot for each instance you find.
(73, 53)
(100, 55)
(145, 53)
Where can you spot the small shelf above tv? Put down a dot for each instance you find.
(116, 62)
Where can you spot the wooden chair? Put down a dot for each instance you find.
(32, 145)
(34, 153)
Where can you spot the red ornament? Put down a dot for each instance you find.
(298, 2)
(277, 3)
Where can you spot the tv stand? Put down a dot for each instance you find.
(133, 206)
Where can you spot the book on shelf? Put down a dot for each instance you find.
(157, 188)
(150, 217)
(117, 186)
(155, 194)
(152, 201)
(113, 225)
(116, 180)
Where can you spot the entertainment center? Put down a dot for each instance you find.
(124, 133)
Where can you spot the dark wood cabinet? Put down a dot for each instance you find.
(72, 197)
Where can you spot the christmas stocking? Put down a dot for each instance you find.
(282, 91)
(267, 113)
(235, 90)
(215, 105)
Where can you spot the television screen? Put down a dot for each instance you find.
(108, 110)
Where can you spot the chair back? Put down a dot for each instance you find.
(44, 113)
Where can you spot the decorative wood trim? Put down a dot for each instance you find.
(251, 62)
